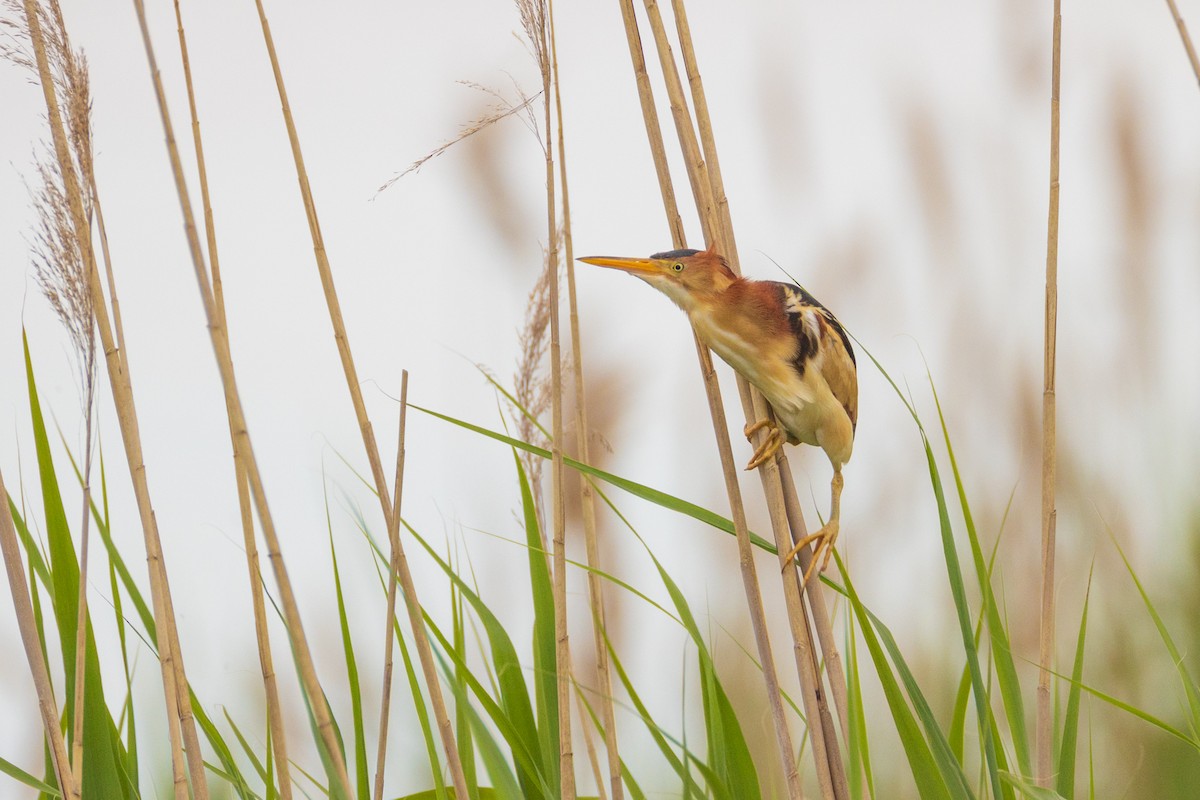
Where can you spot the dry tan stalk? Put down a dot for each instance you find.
(1045, 731)
(717, 412)
(179, 719)
(425, 654)
(262, 634)
(533, 18)
(1187, 39)
(830, 771)
(220, 343)
(82, 615)
(394, 540)
(590, 745)
(588, 496)
(59, 270)
(756, 407)
(17, 584)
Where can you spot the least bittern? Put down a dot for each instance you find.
(789, 346)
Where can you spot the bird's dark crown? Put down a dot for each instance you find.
(684, 253)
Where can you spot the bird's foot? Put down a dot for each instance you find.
(823, 551)
(770, 445)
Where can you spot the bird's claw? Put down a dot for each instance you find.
(770, 445)
(821, 554)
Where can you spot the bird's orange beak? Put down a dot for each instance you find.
(632, 265)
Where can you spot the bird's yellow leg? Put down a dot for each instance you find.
(824, 537)
(770, 445)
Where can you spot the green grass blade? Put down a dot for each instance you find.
(1070, 728)
(1006, 671)
(13, 771)
(360, 741)
(410, 673)
(102, 774)
(250, 753)
(1028, 789)
(515, 709)
(526, 753)
(462, 723)
(1189, 685)
(632, 487)
(926, 775)
(688, 783)
(545, 651)
(957, 589)
(859, 749)
(231, 773)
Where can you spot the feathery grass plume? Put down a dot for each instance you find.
(60, 269)
(531, 381)
(502, 108)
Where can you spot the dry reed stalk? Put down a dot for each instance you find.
(27, 624)
(533, 19)
(262, 634)
(60, 272)
(709, 197)
(394, 540)
(587, 491)
(1045, 730)
(716, 408)
(220, 343)
(180, 722)
(1187, 39)
(755, 407)
(424, 652)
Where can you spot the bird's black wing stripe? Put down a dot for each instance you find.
(808, 300)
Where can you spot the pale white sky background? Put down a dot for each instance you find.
(836, 125)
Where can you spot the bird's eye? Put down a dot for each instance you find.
(678, 267)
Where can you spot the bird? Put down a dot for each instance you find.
(785, 343)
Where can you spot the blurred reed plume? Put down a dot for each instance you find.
(531, 381)
(501, 108)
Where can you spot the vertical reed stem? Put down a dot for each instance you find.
(180, 722)
(420, 636)
(15, 566)
(262, 632)
(1186, 38)
(708, 374)
(588, 495)
(385, 701)
(1045, 733)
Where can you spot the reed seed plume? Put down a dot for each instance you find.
(58, 261)
(502, 108)
(531, 381)
(533, 21)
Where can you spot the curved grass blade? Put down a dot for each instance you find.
(545, 655)
(1189, 685)
(957, 590)
(360, 741)
(1070, 730)
(102, 774)
(21, 776)
(929, 782)
(1006, 671)
(655, 496)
